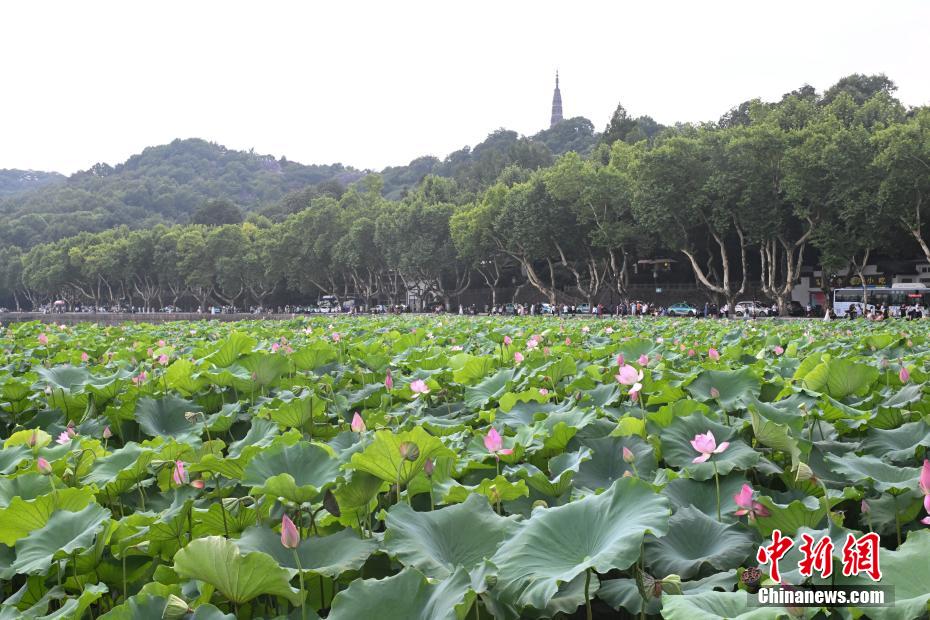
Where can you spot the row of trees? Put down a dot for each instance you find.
(833, 179)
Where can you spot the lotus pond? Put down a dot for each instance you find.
(449, 467)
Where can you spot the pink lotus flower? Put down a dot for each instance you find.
(163, 359)
(149, 352)
(743, 499)
(568, 341)
(546, 351)
(161, 343)
(532, 343)
(140, 378)
(691, 353)
(608, 330)
(585, 329)
(84, 357)
(544, 391)
(358, 424)
(517, 357)
(713, 354)
(864, 507)
(714, 392)
(179, 475)
(924, 484)
(620, 360)
(643, 360)
(508, 340)
(274, 347)
(290, 537)
(336, 337)
(628, 375)
(628, 456)
(494, 443)
(388, 380)
(779, 350)
(904, 375)
(634, 391)
(706, 444)
(43, 339)
(419, 386)
(63, 438)
(43, 466)
(197, 484)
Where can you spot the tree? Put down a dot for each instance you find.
(218, 212)
(904, 161)
(685, 197)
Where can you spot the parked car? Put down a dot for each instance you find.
(796, 309)
(547, 308)
(751, 308)
(583, 309)
(682, 309)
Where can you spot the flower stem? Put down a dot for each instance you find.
(587, 598)
(717, 484)
(300, 578)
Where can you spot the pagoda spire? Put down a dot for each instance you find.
(556, 104)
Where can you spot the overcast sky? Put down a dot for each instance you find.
(372, 84)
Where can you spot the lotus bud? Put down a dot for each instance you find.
(197, 484)
(884, 363)
(428, 467)
(628, 456)
(865, 508)
(358, 424)
(44, 467)
(107, 433)
(409, 450)
(290, 537)
(33, 439)
(714, 392)
(904, 375)
(804, 473)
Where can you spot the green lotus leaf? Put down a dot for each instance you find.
(314, 355)
(232, 348)
(695, 540)
(438, 542)
(297, 473)
(678, 451)
(908, 570)
(562, 468)
(840, 378)
(896, 445)
(490, 389)
(498, 489)
(75, 607)
(567, 600)
(407, 595)
(884, 477)
(65, 378)
(888, 510)
(25, 486)
(239, 577)
(165, 417)
(684, 492)
(382, 457)
(791, 517)
(329, 556)
(555, 545)
(24, 516)
(358, 497)
(778, 437)
(718, 606)
(122, 469)
(264, 368)
(63, 533)
(183, 376)
(297, 412)
(607, 465)
(735, 387)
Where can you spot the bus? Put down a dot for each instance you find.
(876, 296)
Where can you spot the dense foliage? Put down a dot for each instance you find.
(448, 468)
(834, 180)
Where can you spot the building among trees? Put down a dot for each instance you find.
(556, 104)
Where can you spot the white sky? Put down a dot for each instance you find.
(379, 83)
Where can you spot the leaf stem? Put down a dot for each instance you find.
(300, 578)
(587, 598)
(717, 485)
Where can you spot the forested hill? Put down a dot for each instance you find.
(195, 181)
(15, 181)
(165, 183)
